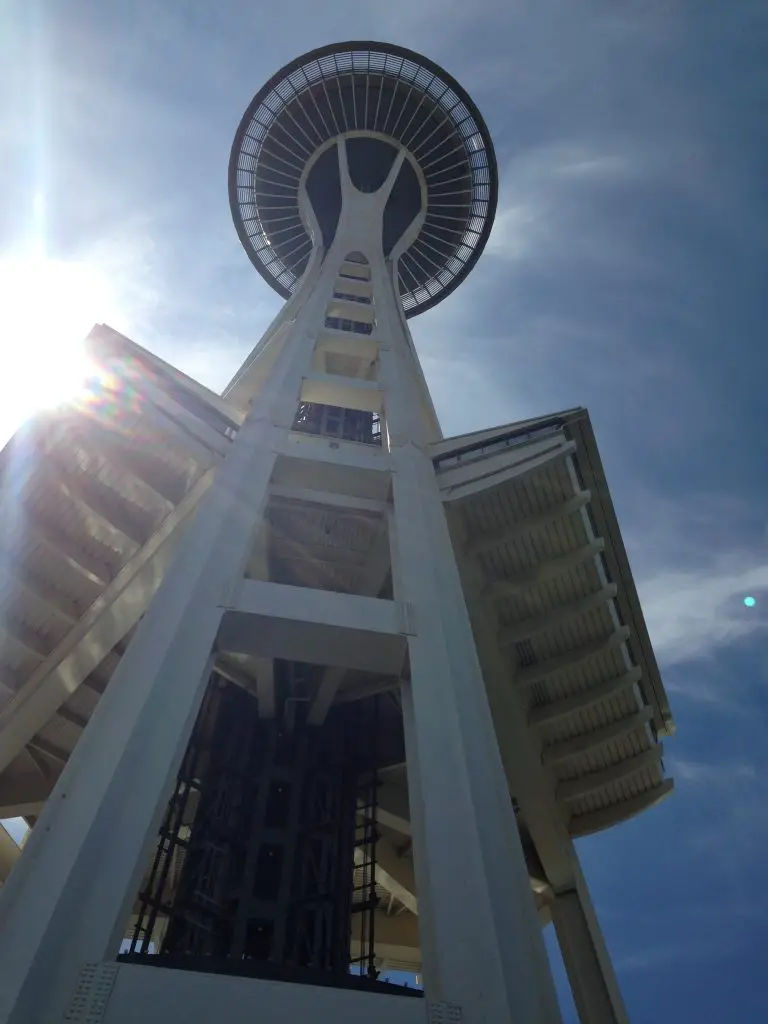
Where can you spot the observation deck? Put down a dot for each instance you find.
(381, 100)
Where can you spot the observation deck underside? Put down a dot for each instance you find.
(101, 495)
(380, 99)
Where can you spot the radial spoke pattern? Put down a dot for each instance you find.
(365, 87)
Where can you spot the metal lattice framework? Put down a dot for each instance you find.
(365, 87)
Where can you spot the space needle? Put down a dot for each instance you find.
(321, 695)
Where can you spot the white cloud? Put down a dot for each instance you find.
(537, 189)
(724, 826)
(516, 228)
(692, 612)
(695, 556)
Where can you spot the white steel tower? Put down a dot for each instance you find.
(386, 677)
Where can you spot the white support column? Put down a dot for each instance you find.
(587, 962)
(481, 942)
(69, 899)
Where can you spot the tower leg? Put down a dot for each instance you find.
(586, 958)
(69, 899)
(481, 942)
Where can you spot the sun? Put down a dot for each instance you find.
(47, 307)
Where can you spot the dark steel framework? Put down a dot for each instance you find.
(266, 859)
(365, 87)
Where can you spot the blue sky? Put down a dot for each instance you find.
(625, 273)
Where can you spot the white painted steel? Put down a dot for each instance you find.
(67, 901)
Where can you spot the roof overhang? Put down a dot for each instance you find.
(548, 580)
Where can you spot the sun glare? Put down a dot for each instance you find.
(47, 308)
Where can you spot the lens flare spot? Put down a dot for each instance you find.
(750, 602)
(47, 307)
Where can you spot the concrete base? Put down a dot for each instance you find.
(112, 993)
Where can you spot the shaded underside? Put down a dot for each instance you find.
(364, 88)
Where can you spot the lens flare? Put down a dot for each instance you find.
(47, 307)
(750, 602)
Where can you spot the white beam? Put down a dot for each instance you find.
(330, 682)
(470, 870)
(346, 392)
(555, 617)
(227, 668)
(505, 465)
(103, 340)
(577, 745)
(576, 789)
(345, 502)
(524, 527)
(342, 343)
(348, 309)
(333, 466)
(393, 872)
(275, 620)
(591, 976)
(336, 454)
(554, 711)
(42, 766)
(108, 620)
(539, 673)
(499, 589)
(77, 856)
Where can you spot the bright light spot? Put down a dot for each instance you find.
(47, 307)
(750, 602)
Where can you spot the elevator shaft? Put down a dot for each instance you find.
(255, 862)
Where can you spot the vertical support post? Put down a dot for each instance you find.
(482, 947)
(586, 958)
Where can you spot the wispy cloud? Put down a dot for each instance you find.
(693, 949)
(696, 554)
(705, 773)
(690, 613)
(724, 828)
